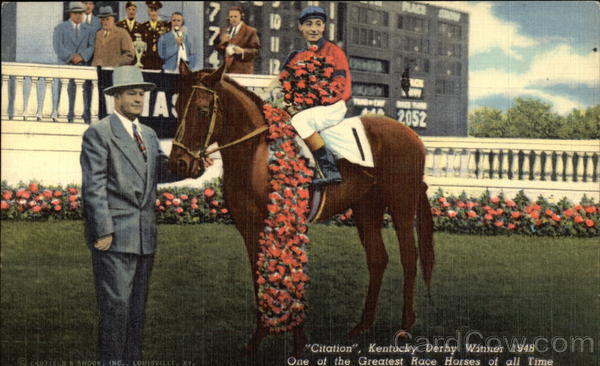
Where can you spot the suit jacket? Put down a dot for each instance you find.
(246, 38)
(168, 50)
(119, 188)
(66, 43)
(114, 50)
(95, 23)
(137, 28)
(151, 60)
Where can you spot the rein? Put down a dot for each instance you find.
(215, 108)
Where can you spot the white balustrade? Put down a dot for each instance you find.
(31, 102)
(63, 104)
(18, 103)
(47, 104)
(537, 165)
(5, 91)
(78, 108)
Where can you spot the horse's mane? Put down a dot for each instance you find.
(255, 98)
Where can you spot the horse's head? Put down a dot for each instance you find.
(198, 121)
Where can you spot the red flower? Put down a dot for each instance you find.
(168, 196)
(73, 206)
(590, 209)
(589, 222)
(488, 217)
(5, 205)
(471, 204)
(328, 71)
(157, 203)
(168, 203)
(215, 203)
(57, 208)
(287, 86)
(578, 219)
(58, 194)
(435, 211)
(569, 212)
(451, 213)
(472, 213)
(47, 194)
(301, 84)
(72, 198)
(510, 203)
(495, 199)
(224, 211)
(499, 211)
(511, 226)
(499, 224)
(515, 214)
(209, 192)
(442, 199)
(183, 197)
(72, 190)
(535, 215)
(7, 195)
(460, 204)
(176, 202)
(549, 212)
(179, 210)
(446, 204)
(33, 188)
(213, 211)
(36, 209)
(21, 193)
(556, 218)
(194, 206)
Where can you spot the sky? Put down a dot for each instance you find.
(539, 49)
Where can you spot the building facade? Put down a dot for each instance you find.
(383, 41)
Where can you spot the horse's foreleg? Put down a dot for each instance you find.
(368, 216)
(403, 217)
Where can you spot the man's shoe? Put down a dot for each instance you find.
(326, 162)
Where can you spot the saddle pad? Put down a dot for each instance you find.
(347, 140)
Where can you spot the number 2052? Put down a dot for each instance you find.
(413, 118)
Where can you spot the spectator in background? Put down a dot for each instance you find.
(113, 47)
(238, 43)
(131, 25)
(151, 32)
(89, 18)
(73, 43)
(177, 45)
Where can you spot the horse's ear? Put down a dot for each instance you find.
(184, 69)
(216, 77)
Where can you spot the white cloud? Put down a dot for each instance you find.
(486, 31)
(560, 65)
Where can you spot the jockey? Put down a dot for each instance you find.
(310, 121)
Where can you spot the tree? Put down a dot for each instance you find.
(581, 124)
(532, 118)
(487, 122)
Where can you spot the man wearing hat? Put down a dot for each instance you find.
(151, 32)
(310, 121)
(131, 25)
(239, 43)
(121, 164)
(88, 16)
(73, 43)
(177, 45)
(114, 46)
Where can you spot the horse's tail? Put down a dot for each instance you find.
(425, 235)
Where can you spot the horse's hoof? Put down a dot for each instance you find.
(402, 335)
(356, 331)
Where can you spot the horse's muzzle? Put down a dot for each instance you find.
(185, 165)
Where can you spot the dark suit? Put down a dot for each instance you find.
(246, 38)
(119, 191)
(137, 28)
(150, 59)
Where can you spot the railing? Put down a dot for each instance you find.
(49, 150)
(30, 91)
(567, 167)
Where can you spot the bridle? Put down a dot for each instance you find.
(215, 110)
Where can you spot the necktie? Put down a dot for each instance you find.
(77, 31)
(233, 31)
(138, 140)
(105, 34)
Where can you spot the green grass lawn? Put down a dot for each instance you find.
(201, 307)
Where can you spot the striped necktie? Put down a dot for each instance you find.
(138, 140)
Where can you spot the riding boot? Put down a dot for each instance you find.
(325, 160)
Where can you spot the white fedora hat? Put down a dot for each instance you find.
(128, 77)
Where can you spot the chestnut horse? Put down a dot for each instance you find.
(214, 108)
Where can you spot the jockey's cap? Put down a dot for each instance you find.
(312, 12)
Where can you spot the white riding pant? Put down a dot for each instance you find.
(318, 118)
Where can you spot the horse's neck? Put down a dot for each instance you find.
(241, 116)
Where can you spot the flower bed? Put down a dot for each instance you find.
(484, 215)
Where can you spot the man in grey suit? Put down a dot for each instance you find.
(73, 43)
(121, 164)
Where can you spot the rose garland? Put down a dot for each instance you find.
(282, 257)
